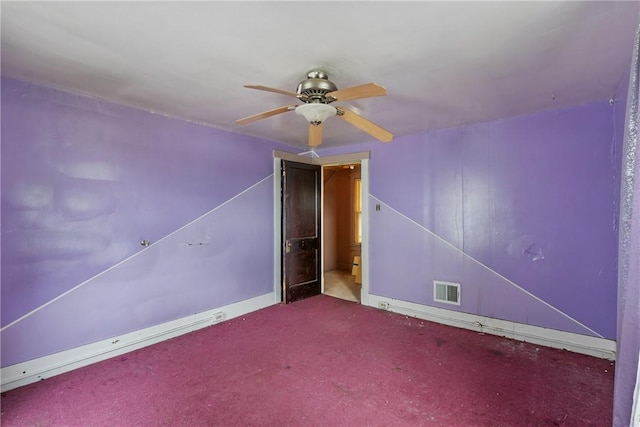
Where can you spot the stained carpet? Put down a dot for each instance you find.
(325, 362)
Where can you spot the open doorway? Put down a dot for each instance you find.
(362, 160)
(342, 231)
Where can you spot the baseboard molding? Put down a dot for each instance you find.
(592, 346)
(45, 367)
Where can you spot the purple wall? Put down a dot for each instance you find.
(84, 181)
(521, 211)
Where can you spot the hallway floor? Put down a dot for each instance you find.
(341, 284)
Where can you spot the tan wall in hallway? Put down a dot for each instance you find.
(338, 248)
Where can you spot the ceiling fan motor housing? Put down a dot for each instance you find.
(315, 87)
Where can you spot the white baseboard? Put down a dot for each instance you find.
(584, 344)
(45, 367)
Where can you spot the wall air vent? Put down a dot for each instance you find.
(446, 292)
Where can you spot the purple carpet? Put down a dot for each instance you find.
(325, 362)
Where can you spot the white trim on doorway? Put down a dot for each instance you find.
(360, 157)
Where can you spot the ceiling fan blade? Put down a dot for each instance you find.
(315, 135)
(264, 115)
(363, 91)
(270, 89)
(364, 125)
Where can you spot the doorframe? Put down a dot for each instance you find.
(359, 157)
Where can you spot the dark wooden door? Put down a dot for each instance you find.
(300, 231)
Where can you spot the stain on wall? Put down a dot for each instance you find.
(84, 181)
(532, 198)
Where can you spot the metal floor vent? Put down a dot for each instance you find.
(446, 292)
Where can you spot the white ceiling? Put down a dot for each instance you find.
(444, 64)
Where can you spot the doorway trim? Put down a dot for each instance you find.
(360, 157)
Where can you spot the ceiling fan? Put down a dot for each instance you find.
(317, 92)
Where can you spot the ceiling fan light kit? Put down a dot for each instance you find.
(316, 113)
(317, 92)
